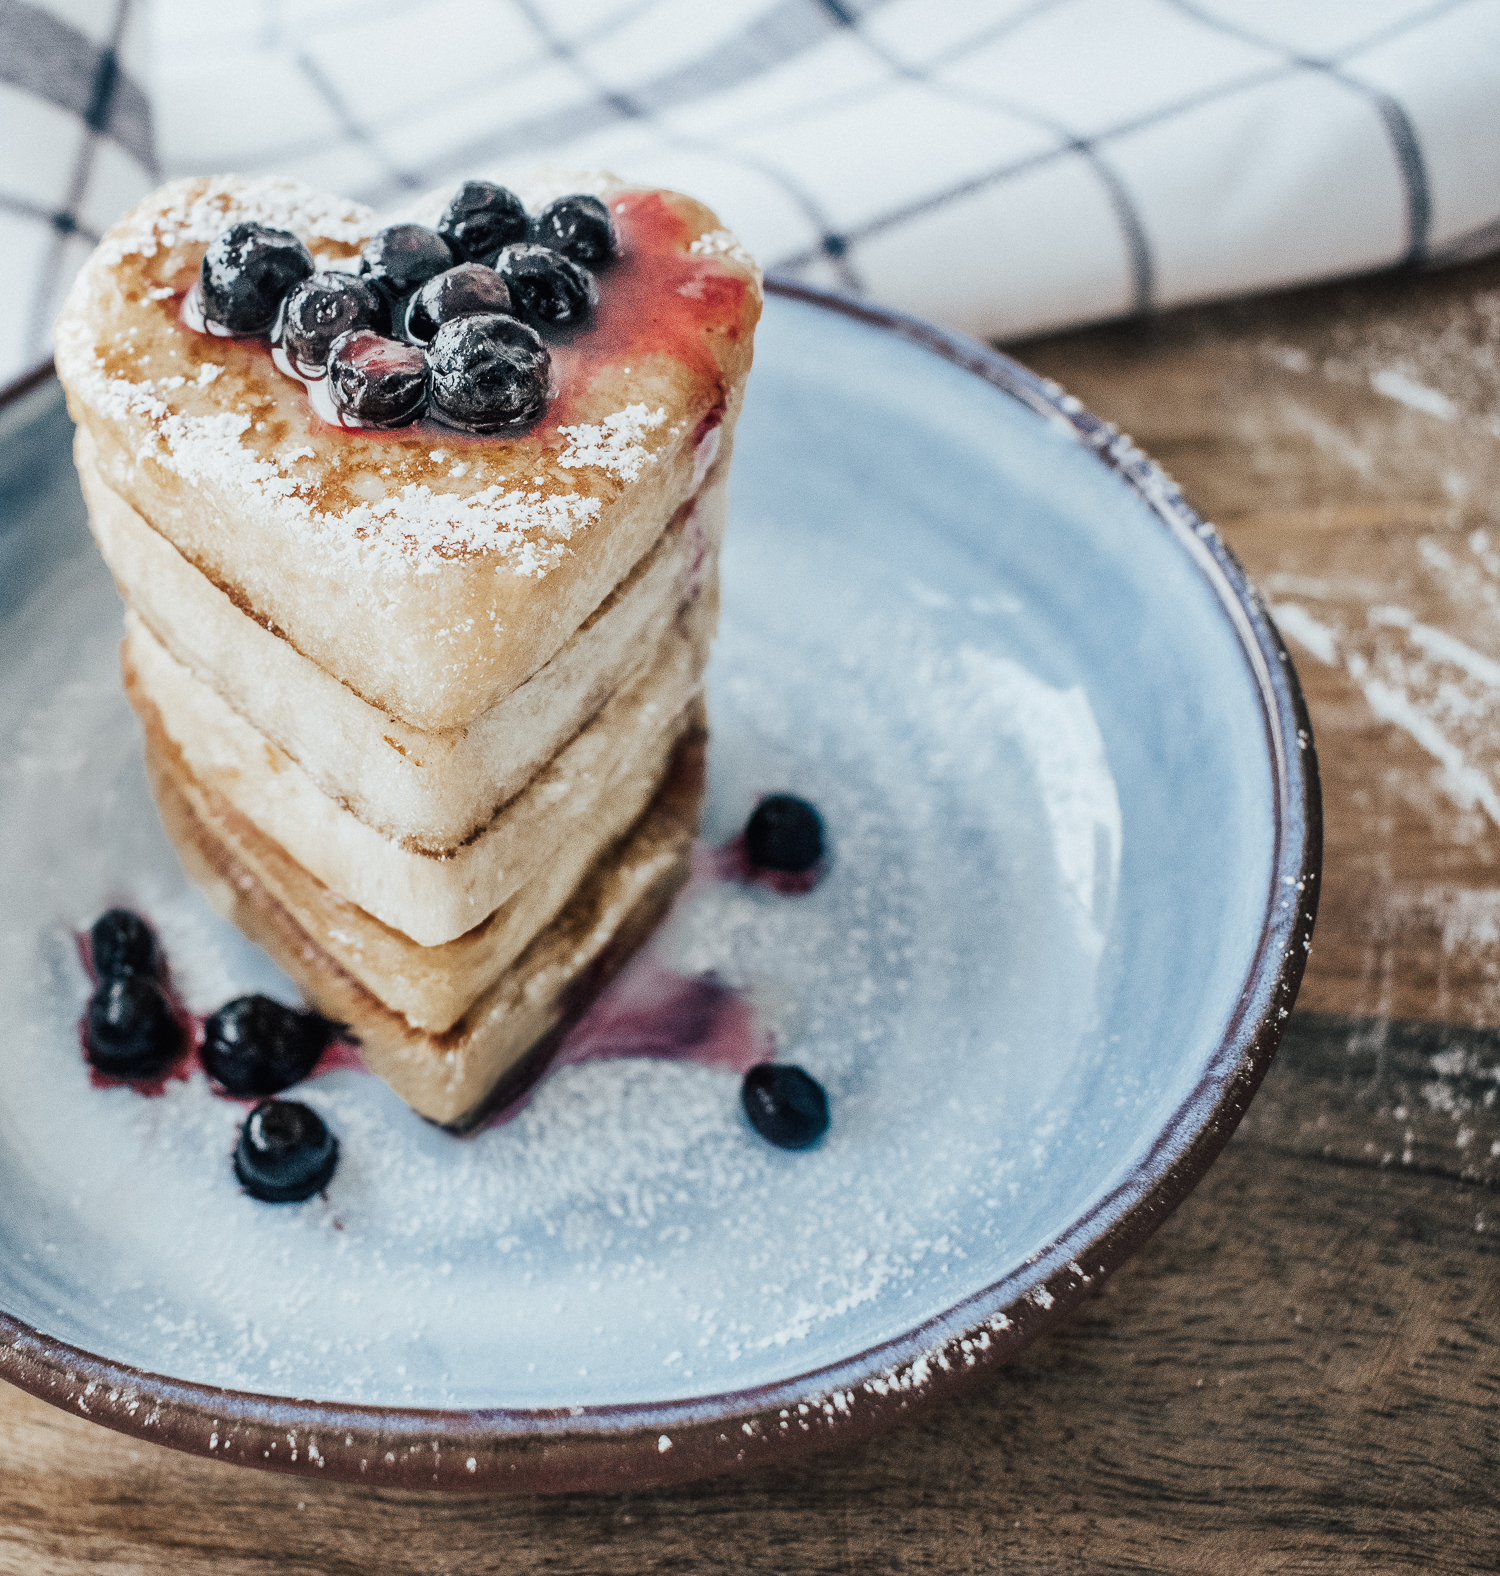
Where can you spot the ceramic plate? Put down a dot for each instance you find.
(1073, 814)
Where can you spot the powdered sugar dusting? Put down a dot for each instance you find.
(194, 211)
(526, 521)
(1061, 738)
(527, 528)
(1437, 689)
(722, 243)
(616, 444)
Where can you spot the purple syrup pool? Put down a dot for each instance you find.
(651, 1010)
(654, 1011)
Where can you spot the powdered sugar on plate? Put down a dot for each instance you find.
(626, 1235)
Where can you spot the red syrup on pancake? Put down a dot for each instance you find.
(336, 1055)
(655, 298)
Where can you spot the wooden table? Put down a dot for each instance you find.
(1301, 1372)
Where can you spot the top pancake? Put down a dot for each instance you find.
(430, 571)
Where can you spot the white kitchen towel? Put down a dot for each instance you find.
(1002, 166)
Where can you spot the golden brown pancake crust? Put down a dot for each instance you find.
(508, 1036)
(432, 790)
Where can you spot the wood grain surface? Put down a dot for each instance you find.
(1301, 1372)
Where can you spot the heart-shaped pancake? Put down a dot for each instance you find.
(422, 702)
(428, 570)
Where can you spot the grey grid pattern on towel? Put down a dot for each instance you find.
(1003, 166)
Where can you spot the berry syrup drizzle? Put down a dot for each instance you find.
(655, 1012)
(652, 1011)
(655, 298)
(337, 1054)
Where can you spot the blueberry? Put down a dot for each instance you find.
(121, 943)
(547, 287)
(488, 372)
(481, 219)
(580, 227)
(402, 258)
(246, 271)
(285, 1153)
(470, 290)
(785, 1106)
(317, 311)
(381, 381)
(253, 1045)
(784, 833)
(130, 1030)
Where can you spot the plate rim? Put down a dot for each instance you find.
(648, 1444)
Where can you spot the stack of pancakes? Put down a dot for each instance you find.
(423, 712)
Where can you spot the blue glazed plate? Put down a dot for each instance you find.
(1074, 818)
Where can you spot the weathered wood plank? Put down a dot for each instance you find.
(1373, 1092)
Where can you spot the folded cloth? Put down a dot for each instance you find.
(1003, 166)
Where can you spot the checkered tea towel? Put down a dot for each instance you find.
(1002, 166)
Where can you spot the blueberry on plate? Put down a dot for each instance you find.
(481, 219)
(546, 287)
(785, 833)
(785, 1105)
(403, 257)
(253, 1045)
(316, 311)
(488, 372)
(470, 290)
(579, 227)
(245, 273)
(120, 944)
(382, 382)
(285, 1153)
(130, 1030)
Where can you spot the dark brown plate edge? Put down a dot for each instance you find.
(651, 1444)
